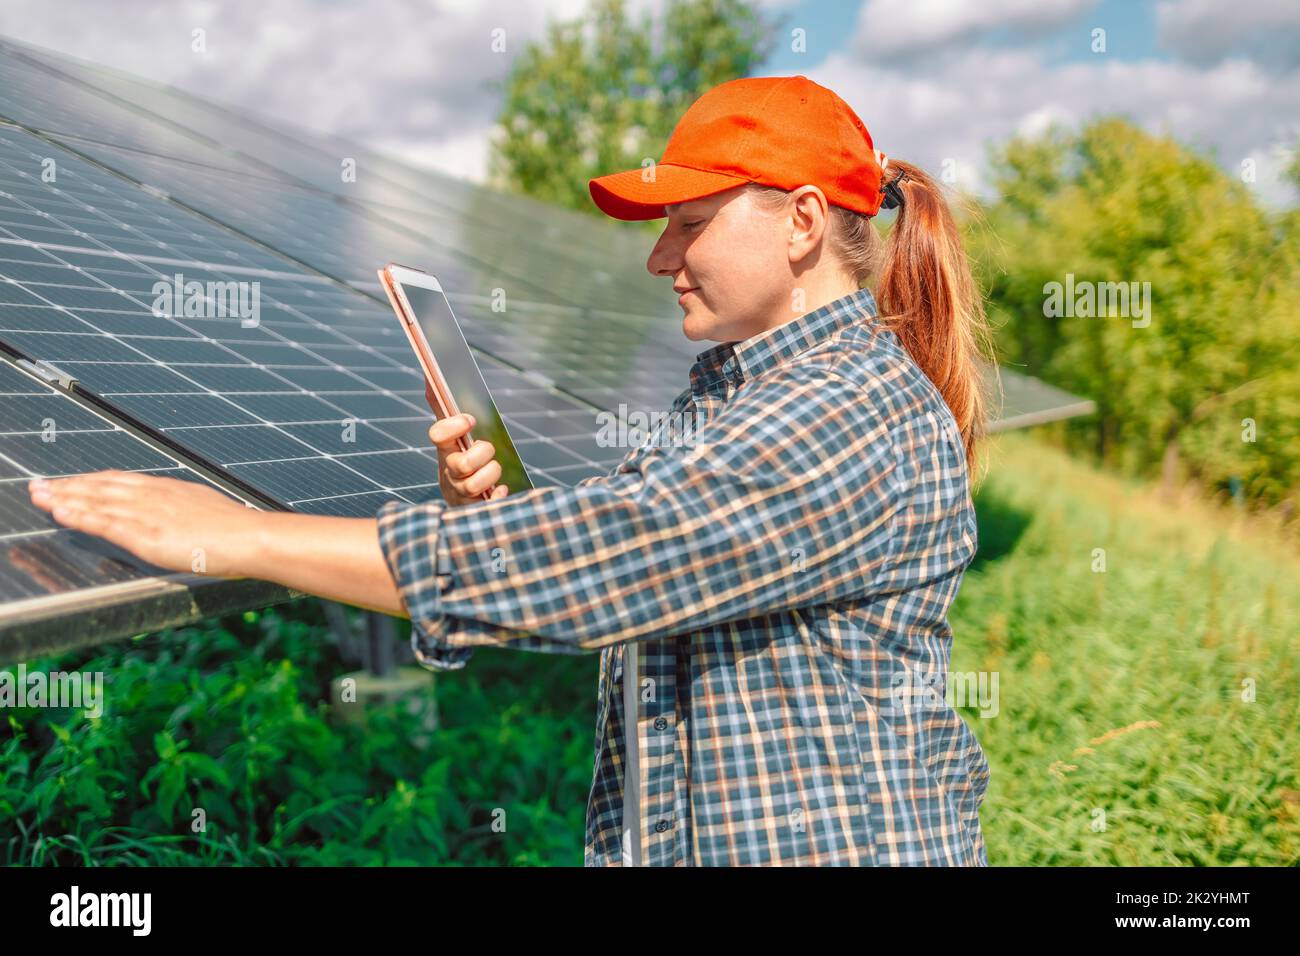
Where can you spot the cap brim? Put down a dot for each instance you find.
(628, 196)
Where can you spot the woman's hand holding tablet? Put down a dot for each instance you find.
(465, 475)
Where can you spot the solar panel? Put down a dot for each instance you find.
(613, 362)
(272, 396)
(316, 405)
(1027, 401)
(424, 199)
(44, 432)
(484, 241)
(43, 100)
(343, 240)
(641, 362)
(242, 192)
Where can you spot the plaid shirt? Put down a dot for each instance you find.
(783, 566)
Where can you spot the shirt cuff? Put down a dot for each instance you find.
(411, 540)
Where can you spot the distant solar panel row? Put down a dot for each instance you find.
(297, 199)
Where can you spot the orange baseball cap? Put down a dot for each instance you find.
(783, 131)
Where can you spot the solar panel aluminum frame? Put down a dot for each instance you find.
(56, 624)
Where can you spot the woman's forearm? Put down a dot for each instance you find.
(335, 558)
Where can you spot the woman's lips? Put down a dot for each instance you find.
(683, 296)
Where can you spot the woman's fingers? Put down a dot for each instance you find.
(462, 464)
(158, 519)
(109, 482)
(479, 482)
(118, 526)
(88, 488)
(445, 432)
(465, 473)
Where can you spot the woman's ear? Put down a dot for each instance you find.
(809, 221)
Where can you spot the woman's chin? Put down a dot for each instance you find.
(694, 328)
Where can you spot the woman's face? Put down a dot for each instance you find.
(734, 257)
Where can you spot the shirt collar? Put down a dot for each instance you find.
(742, 361)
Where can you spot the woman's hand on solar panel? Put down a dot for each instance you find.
(464, 475)
(177, 525)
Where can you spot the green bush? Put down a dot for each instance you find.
(229, 717)
(1209, 387)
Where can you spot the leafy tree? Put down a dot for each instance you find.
(602, 95)
(1177, 396)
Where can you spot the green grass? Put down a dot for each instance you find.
(1121, 691)
(1120, 700)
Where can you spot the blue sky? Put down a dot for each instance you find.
(1130, 28)
(936, 81)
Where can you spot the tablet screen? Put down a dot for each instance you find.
(464, 379)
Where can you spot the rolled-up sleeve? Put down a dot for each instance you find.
(409, 539)
(789, 497)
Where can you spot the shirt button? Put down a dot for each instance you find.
(662, 825)
(661, 723)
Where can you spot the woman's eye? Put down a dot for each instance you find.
(688, 225)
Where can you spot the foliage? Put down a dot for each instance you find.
(1191, 606)
(1222, 348)
(602, 95)
(229, 718)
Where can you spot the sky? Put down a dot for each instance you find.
(935, 81)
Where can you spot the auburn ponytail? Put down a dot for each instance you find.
(927, 295)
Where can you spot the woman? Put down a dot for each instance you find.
(782, 568)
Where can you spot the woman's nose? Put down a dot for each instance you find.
(662, 260)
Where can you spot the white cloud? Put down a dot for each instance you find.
(410, 74)
(1208, 31)
(464, 155)
(891, 29)
(979, 96)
